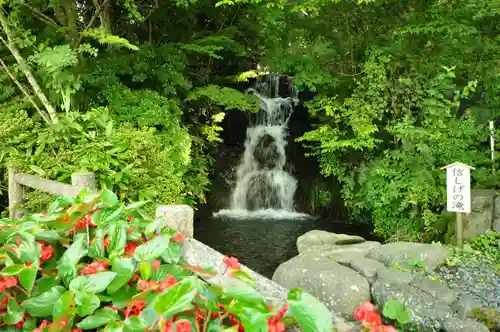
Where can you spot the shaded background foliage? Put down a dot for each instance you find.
(142, 89)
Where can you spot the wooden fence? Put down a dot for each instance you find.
(19, 180)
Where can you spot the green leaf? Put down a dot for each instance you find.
(12, 270)
(135, 205)
(124, 269)
(50, 236)
(99, 318)
(396, 310)
(134, 324)
(96, 249)
(45, 284)
(152, 249)
(253, 315)
(93, 283)
(28, 275)
(113, 327)
(118, 240)
(108, 197)
(177, 298)
(63, 304)
(71, 257)
(244, 276)
(86, 303)
(43, 304)
(146, 270)
(173, 253)
(311, 314)
(14, 312)
(169, 269)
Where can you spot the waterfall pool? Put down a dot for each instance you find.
(262, 243)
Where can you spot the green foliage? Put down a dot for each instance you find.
(138, 163)
(397, 311)
(488, 244)
(71, 276)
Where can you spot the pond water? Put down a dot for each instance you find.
(264, 243)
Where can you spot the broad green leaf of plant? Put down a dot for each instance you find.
(87, 303)
(99, 318)
(93, 283)
(71, 257)
(96, 249)
(396, 310)
(28, 275)
(177, 298)
(12, 270)
(14, 312)
(146, 269)
(252, 314)
(48, 236)
(113, 327)
(134, 324)
(124, 269)
(311, 314)
(63, 304)
(43, 304)
(169, 269)
(118, 239)
(173, 253)
(152, 249)
(108, 198)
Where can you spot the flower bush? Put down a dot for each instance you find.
(371, 320)
(92, 263)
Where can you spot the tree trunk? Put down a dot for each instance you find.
(25, 68)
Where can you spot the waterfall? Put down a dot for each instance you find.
(263, 186)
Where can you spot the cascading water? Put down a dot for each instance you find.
(263, 185)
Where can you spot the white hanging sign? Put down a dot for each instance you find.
(458, 198)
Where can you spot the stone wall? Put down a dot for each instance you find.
(485, 214)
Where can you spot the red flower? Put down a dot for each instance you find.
(231, 262)
(7, 282)
(77, 330)
(129, 218)
(167, 282)
(94, 267)
(372, 318)
(130, 230)
(130, 248)
(44, 212)
(388, 328)
(18, 240)
(156, 265)
(105, 243)
(64, 322)
(179, 237)
(275, 326)
(47, 252)
(136, 308)
(183, 326)
(43, 325)
(143, 285)
(20, 324)
(360, 312)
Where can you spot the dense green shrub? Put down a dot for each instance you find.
(137, 163)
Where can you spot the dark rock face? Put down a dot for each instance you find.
(261, 193)
(266, 152)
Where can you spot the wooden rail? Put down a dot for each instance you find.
(18, 180)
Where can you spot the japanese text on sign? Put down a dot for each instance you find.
(458, 188)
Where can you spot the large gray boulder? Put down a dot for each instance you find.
(432, 255)
(425, 310)
(342, 248)
(338, 287)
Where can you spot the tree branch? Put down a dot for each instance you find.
(42, 113)
(9, 43)
(41, 15)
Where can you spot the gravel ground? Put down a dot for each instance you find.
(478, 280)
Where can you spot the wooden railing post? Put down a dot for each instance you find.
(83, 180)
(16, 196)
